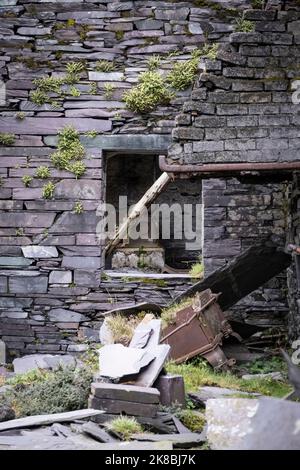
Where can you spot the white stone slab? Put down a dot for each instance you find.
(36, 251)
(116, 361)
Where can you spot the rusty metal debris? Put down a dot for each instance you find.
(199, 329)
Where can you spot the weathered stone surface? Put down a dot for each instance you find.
(23, 219)
(51, 125)
(75, 223)
(65, 316)
(241, 424)
(60, 277)
(39, 251)
(28, 285)
(79, 189)
(42, 361)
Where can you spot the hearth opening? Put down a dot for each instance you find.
(166, 237)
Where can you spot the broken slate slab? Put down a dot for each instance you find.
(125, 392)
(116, 361)
(244, 424)
(147, 377)
(206, 393)
(271, 375)
(118, 407)
(184, 440)
(42, 361)
(36, 251)
(98, 433)
(41, 420)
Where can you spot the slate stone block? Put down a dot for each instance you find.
(41, 126)
(66, 316)
(28, 285)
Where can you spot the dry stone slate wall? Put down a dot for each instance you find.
(52, 296)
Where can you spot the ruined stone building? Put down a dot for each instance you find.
(231, 143)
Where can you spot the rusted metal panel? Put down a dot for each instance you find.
(199, 329)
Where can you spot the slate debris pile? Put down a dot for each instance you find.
(132, 372)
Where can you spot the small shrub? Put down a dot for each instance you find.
(91, 134)
(75, 67)
(168, 314)
(119, 35)
(26, 180)
(108, 90)
(258, 4)
(69, 149)
(244, 26)
(48, 190)
(43, 172)
(150, 92)
(93, 89)
(154, 62)
(20, 115)
(124, 427)
(38, 97)
(49, 84)
(193, 420)
(122, 327)
(74, 91)
(183, 74)
(7, 139)
(209, 51)
(64, 390)
(197, 270)
(78, 168)
(104, 66)
(78, 208)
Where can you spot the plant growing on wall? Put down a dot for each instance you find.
(69, 152)
(48, 190)
(244, 26)
(43, 172)
(26, 180)
(153, 89)
(150, 92)
(6, 138)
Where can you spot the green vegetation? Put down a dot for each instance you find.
(154, 62)
(275, 364)
(150, 92)
(93, 88)
(78, 208)
(49, 84)
(38, 97)
(69, 152)
(7, 139)
(119, 35)
(197, 271)
(124, 426)
(43, 172)
(198, 373)
(122, 327)
(20, 115)
(74, 91)
(258, 4)
(183, 74)
(26, 180)
(168, 315)
(193, 420)
(78, 168)
(244, 26)
(91, 134)
(108, 90)
(19, 233)
(48, 190)
(153, 89)
(74, 69)
(104, 66)
(39, 392)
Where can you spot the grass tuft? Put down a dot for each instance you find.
(124, 427)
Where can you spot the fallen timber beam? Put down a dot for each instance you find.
(233, 281)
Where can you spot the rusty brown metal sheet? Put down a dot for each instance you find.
(199, 329)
